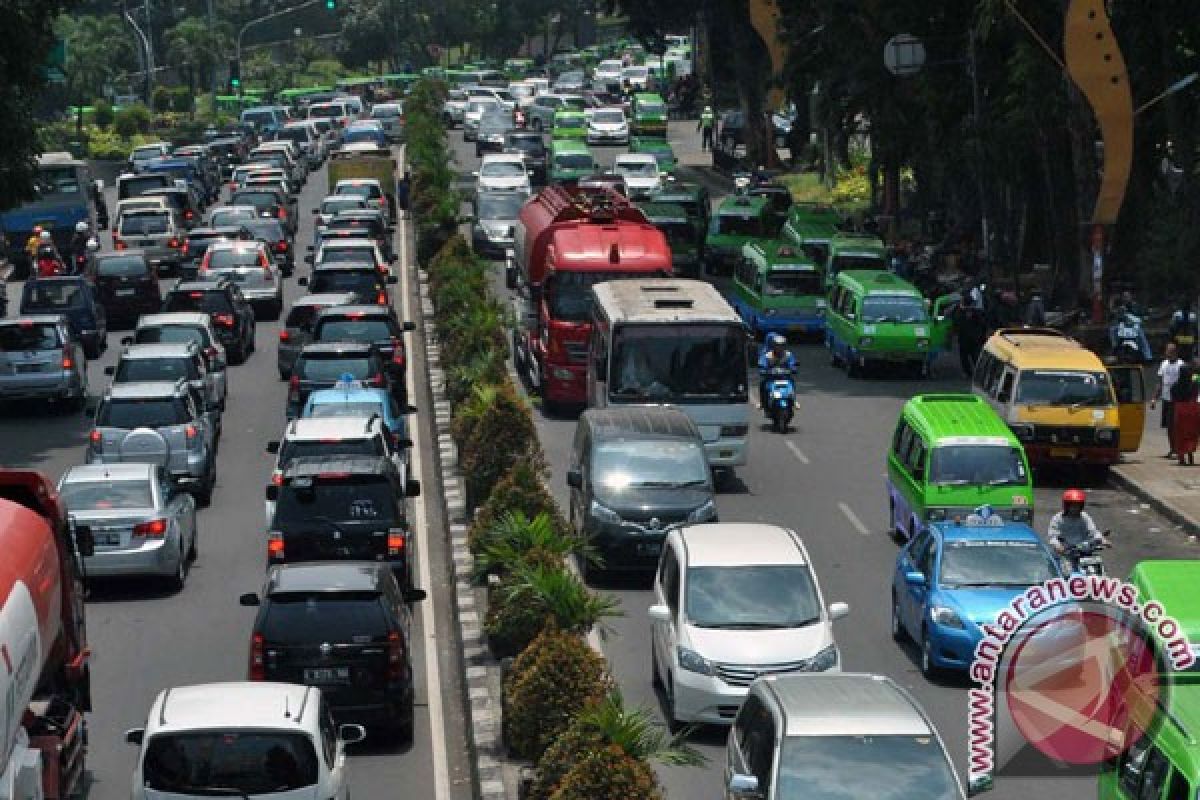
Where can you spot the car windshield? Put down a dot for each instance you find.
(883, 768)
(144, 223)
(569, 294)
(132, 187)
(868, 262)
(663, 157)
(608, 117)
(649, 463)
(494, 125)
(794, 283)
(894, 308)
(737, 225)
(156, 412)
(570, 119)
(297, 619)
(359, 226)
(342, 254)
(103, 495)
(171, 334)
(526, 144)
(817, 251)
(29, 336)
(153, 151)
(355, 330)
(502, 169)
(358, 499)
(228, 761)
(385, 111)
(266, 229)
(53, 295)
(356, 409)
(325, 448)
(121, 267)
(651, 107)
(331, 370)
(995, 563)
(232, 216)
(229, 258)
(500, 206)
(258, 117)
(130, 370)
(575, 161)
(359, 190)
(1063, 388)
(637, 169)
(479, 106)
(681, 364)
(977, 465)
(208, 302)
(326, 111)
(334, 205)
(260, 200)
(679, 233)
(781, 596)
(338, 280)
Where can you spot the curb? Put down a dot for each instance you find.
(480, 669)
(1190, 525)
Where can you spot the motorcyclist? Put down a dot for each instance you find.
(79, 244)
(1128, 327)
(49, 261)
(31, 244)
(1073, 526)
(774, 355)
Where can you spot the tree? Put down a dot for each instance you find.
(196, 50)
(366, 33)
(99, 50)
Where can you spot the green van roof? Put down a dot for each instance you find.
(857, 243)
(1172, 583)
(740, 205)
(569, 146)
(663, 212)
(648, 97)
(780, 254)
(944, 418)
(814, 214)
(870, 281)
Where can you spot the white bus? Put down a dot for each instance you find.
(667, 341)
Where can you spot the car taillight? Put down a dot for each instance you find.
(258, 668)
(281, 246)
(97, 440)
(396, 666)
(282, 212)
(68, 362)
(395, 542)
(191, 433)
(186, 247)
(284, 335)
(381, 298)
(276, 478)
(397, 352)
(225, 320)
(154, 529)
(376, 380)
(118, 244)
(188, 214)
(173, 244)
(275, 546)
(294, 389)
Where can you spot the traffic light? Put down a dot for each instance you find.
(331, 5)
(235, 74)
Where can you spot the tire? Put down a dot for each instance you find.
(853, 370)
(655, 678)
(252, 346)
(401, 733)
(674, 726)
(928, 668)
(194, 550)
(204, 495)
(273, 310)
(897, 627)
(179, 578)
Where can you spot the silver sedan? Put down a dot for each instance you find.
(141, 524)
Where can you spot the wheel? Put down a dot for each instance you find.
(238, 354)
(777, 423)
(401, 733)
(284, 374)
(928, 668)
(179, 577)
(194, 550)
(655, 678)
(897, 626)
(252, 345)
(853, 368)
(673, 724)
(204, 495)
(274, 310)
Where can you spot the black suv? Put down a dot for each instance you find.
(530, 145)
(322, 366)
(344, 508)
(367, 283)
(231, 314)
(375, 325)
(199, 240)
(127, 286)
(368, 222)
(279, 244)
(343, 626)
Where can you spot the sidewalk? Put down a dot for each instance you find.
(1170, 489)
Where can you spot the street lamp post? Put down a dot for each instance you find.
(259, 20)
(147, 52)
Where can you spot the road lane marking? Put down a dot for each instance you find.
(854, 520)
(796, 451)
(433, 682)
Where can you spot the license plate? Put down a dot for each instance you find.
(1063, 452)
(148, 243)
(126, 292)
(327, 675)
(107, 539)
(29, 368)
(649, 549)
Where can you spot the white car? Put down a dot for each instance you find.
(503, 171)
(242, 738)
(523, 92)
(734, 601)
(638, 78)
(334, 204)
(640, 171)
(608, 71)
(607, 126)
(475, 109)
(349, 251)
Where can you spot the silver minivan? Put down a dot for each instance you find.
(139, 363)
(252, 268)
(153, 231)
(39, 359)
(830, 734)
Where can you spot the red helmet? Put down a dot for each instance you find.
(1075, 496)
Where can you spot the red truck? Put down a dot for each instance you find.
(44, 675)
(567, 239)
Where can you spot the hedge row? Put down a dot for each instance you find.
(561, 708)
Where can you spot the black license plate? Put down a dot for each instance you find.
(649, 549)
(327, 675)
(29, 367)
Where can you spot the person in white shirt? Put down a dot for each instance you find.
(1168, 374)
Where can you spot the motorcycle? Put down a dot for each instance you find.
(1083, 559)
(49, 264)
(781, 397)
(1126, 337)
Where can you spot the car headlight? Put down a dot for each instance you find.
(866, 341)
(704, 513)
(946, 617)
(935, 514)
(1107, 434)
(823, 661)
(922, 344)
(1023, 514)
(1023, 431)
(604, 513)
(693, 661)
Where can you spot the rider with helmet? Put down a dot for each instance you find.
(49, 262)
(79, 242)
(31, 244)
(1073, 526)
(774, 355)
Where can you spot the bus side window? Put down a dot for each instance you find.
(599, 357)
(981, 367)
(1004, 395)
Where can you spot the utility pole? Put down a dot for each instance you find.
(977, 133)
(212, 40)
(146, 54)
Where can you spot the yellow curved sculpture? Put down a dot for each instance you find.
(1095, 64)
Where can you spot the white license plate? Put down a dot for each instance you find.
(126, 292)
(107, 539)
(327, 675)
(148, 243)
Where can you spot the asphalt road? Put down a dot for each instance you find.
(145, 638)
(826, 480)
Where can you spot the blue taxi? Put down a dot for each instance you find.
(353, 399)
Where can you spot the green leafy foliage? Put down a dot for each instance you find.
(522, 490)
(554, 678)
(532, 594)
(515, 535)
(608, 774)
(503, 435)
(132, 120)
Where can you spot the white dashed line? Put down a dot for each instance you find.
(853, 519)
(796, 451)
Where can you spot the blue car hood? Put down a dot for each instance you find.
(980, 605)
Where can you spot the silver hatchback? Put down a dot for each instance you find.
(39, 359)
(252, 268)
(176, 327)
(141, 524)
(140, 363)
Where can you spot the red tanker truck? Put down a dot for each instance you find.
(567, 239)
(44, 678)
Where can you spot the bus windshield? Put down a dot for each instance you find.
(782, 283)
(52, 181)
(693, 363)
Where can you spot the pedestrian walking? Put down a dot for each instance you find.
(971, 329)
(707, 118)
(402, 189)
(1168, 375)
(1185, 412)
(1035, 312)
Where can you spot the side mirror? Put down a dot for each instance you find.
(248, 599)
(272, 493)
(352, 734)
(273, 447)
(99, 186)
(575, 478)
(392, 259)
(110, 370)
(1003, 397)
(914, 578)
(659, 613)
(302, 281)
(414, 595)
(392, 280)
(743, 785)
(135, 736)
(978, 786)
(85, 542)
(838, 610)
(412, 488)
(408, 326)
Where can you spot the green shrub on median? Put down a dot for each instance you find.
(502, 436)
(522, 490)
(533, 593)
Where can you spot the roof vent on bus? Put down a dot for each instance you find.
(885, 277)
(614, 254)
(672, 302)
